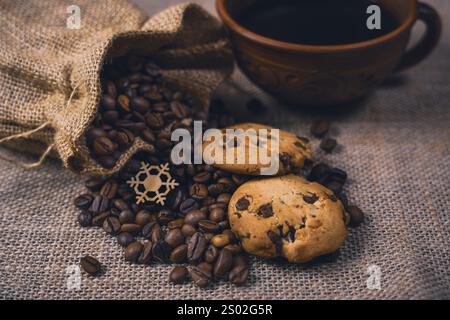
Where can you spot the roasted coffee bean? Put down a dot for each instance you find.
(188, 205)
(107, 162)
(174, 224)
(230, 234)
(132, 228)
(338, 175)
(143, 217)
(148, 136)
(90, 265)
(148, 229)
(200, 276)
(215, 189)
(178, 255)
(356, 215)
(240, 260)
(85, 219)
(174, 199)
(165, 216)
(112, 225)
(211, 254)
(140, 104)
(266, 210)
(224, 224)
(109, 189)
(223, 264)
(154, 121)
(217, 214)
(103, 146)
(99, 204)
(319, 128)
(328, 145)
(242, 204)
(120, 204)
(178, 275)
(310, 198)
(196, 247)
(334, 186)
(319, 173)
(94, 183)
(179, 109)
(146, 254)
(208, 226)
(124, 138)
(174, 238)
(161, 251)
(218, 205)
(228, 184)
(238, 275)
(224, 198)
(194, 216)
(110, 89)
(126, 216)
(220, 240)
(208, 201)
(238, 179)
(233, 248)
(198, 191)
(202, 177)
(124, 239)
(95, 133)
(99, 219)
(188, 230)
(124, 103)
(84, 201)
(133, 251)
(110, 116)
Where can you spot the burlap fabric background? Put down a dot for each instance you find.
(50, 74)
(395, 146)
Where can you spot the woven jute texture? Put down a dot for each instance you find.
(395, 146)
(50, 74)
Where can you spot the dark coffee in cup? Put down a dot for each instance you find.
(315, 22)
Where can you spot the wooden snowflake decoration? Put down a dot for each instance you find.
(152, 183)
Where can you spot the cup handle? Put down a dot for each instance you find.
(429, 40)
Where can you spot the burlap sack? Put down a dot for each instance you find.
(50, 74)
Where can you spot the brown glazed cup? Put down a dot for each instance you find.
(316, 75)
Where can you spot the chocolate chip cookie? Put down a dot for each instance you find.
(290, 156)
(287, 217)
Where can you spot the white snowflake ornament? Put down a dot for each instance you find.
(152, 183)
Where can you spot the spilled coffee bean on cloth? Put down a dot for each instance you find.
(191, 228)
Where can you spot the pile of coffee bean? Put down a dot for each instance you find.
(136, 102)
(319, 129)
(191, 228)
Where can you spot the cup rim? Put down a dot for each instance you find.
(282, 45)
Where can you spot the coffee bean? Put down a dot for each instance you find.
(111, 225)
(310, 198)
(99, 204)
(124, 103)
(154, 121)
(188, 230)
(196, 247)
(242, 204)
(240, 260)
(328, 145)
(198, 191)
(165, 216)
(124, 138)
(94, 183)
(224, 224)
(174, 238)
(143, 217)
(223, 264)
(126, 216)
(174, 224)
(107, 162)
(266, 210)
(110, 116)
(146, 254)
(140, 104)
(200, 276)
(178, 275)
(208, 226)
(319, 128)
(161, 251)
(188, 205)
(238, 275)
(319, 173)
(194, 216)
(133, 251)
(120, 204)
(178, 255)
(215, 189)
(230, 234)
(211, 254)
(220, 240)
(224, 198)
(356, 215)
(103, 146)
(109, 189)
(233, 248)
(85, 219)
(217, 214)
(228, 184)
(132, 228)
(110, 89)
(202, 177)
(84, 201)
(238, 179)
(99, 219)
(90, 265)
(124, 239)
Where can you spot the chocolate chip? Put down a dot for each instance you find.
(242, 204)
(266, 210)
(310, 198)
